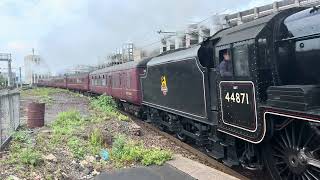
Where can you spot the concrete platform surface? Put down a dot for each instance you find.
(198, 170)
(180, 168)
(165, 172)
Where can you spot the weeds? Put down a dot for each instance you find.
(21, 136)
(65, 128)
(156, 156)
(77, 146)
(122, 117)
(106, 105)
(29, 156)
(125, 152)
(96, 141)
(43, 94)
(21, 151)
(42, 91)
(46, 99)
(67, 122)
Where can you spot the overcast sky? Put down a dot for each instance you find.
(69, 32)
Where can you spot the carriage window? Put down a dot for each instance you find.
(241, 61)
(103, 81)
(110, 82)
(128, 81)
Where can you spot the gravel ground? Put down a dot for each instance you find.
(62, 165)
(60, 102)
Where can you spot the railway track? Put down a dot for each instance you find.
(245, 175)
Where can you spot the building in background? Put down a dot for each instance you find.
(78, 69)
(35, 68)
(128, 52)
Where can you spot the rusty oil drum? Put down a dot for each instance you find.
(35, 115)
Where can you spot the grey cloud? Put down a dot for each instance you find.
(102, 26)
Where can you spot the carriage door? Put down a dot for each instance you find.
(237, 91)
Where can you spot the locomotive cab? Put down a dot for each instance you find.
(272, 90)
(274, 63)
(241, 92)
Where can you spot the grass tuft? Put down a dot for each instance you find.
(107, 105)
(21, 152)
(96, 141)
(77, 146)
(21, 136)
(67, 122)
(126, 152)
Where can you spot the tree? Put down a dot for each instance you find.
(3, 81)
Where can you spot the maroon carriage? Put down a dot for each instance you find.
(59, 82)
(121, 81)
(44, 82)
(97, 81)
(78, 82)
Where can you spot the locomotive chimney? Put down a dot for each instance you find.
(218, 23)
(204, 32)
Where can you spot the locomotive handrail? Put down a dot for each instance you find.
(300, 38)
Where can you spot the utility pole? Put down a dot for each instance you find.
(32, 75)
(20, 77)
(9, 72)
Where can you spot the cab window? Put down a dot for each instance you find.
(234, 62)
(240, 61)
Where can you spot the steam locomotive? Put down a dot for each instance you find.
(266, 115)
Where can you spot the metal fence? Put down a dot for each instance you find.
(9, 114)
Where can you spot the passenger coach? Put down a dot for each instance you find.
(78, 82)
(121, 82)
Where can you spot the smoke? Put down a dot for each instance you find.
(67, 33)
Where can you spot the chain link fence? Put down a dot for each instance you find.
(9, 114)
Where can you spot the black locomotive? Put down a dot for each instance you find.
(266, 113)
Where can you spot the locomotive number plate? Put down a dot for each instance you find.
(238, 105)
